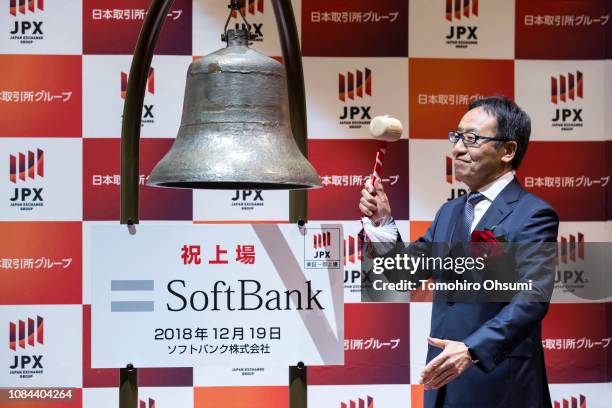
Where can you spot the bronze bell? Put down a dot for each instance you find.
(235, 130)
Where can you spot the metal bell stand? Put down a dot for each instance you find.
(130, 140)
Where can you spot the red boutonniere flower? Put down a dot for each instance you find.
(486, 245)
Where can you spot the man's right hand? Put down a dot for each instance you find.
(374, 203)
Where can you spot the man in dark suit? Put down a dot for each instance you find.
(485, 354)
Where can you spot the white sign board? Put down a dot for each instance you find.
(217, 295)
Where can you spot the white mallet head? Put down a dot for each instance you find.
(386, 128)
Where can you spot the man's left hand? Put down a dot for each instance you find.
(448, 365)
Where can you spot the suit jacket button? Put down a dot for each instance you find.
(450, 303)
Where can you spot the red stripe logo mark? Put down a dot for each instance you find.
(30, 166)
(571, 249)
(579, 402)
(566, 87)
(251, 7)
(360, 403)
(25, 5)
(461, 8)
(354, 85)
(322, 240)
(22, 332)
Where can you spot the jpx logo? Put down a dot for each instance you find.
(320, 242)
(568, 277)
(352, 264)
(566, 89)
(359, 403)
(147, 116)
(25, 30)
(451, 178)
(579, 402)
(252, 7)
(248, 199)
(151, 404)
(322, 248)
(352, 86)
(461, 36)
(24, 167)
(23, 335)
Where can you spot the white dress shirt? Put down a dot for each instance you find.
(490, 191)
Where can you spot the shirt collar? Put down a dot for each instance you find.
(491, 190)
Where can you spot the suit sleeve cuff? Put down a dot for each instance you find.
(481, 355)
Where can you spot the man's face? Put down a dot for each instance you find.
(479, 164)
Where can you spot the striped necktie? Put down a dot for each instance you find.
(468, 215)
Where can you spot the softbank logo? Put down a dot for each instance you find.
(461, 8)
(579, 402)
(566, 87)
(571, 248)
(360, 403)
(29, 5)
(355, 84)
(150, 82)
(131, 287)
(30, 165)
(22, 332)
(250, 6)
(151, 404)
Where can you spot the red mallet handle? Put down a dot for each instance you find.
(381, 150)
(384, 129)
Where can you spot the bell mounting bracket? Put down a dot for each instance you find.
(235, 6)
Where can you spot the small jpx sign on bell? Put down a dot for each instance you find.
(235, 130)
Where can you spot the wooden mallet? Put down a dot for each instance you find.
(384, 129)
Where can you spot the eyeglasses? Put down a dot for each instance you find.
(470, 138)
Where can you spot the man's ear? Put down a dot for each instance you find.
(509, 151)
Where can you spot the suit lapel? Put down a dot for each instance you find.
(501, 206)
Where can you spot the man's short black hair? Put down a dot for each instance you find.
(512, 122)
